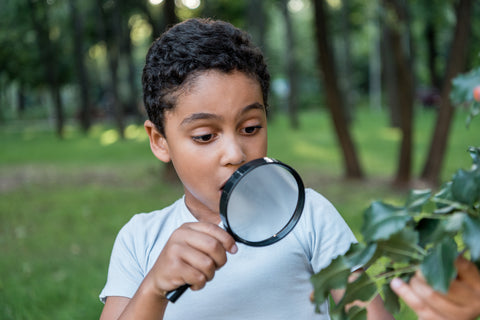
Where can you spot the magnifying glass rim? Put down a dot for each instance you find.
(237, 176)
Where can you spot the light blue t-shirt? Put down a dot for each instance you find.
(271, 282)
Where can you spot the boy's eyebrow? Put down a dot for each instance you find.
(207, 116)
(199, 116)
(254, 105)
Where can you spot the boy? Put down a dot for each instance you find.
(205, 89)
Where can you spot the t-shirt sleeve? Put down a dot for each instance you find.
(125, 272)
(329, 235)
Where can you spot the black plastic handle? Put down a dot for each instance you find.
(175, 294)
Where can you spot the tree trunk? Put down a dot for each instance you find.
(390, 76)
(170, 18)
(85, 107)
(333, 96)
(110, 28)
(256, 22)
(21, 102)
(131, 103)
(47, 53)
(58, 107)
(348, 89)
(132, 78)
(291, 67)
(169, 14)
(431, 39)
(404, 89)
(456, 62)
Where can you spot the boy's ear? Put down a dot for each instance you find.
(158, 143)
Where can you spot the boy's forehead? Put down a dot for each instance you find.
(214, 84)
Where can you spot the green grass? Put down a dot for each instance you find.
(63, 202)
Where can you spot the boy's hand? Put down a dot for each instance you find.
(192, 255)
(461, 302)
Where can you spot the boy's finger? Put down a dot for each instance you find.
(218, 233)
(468, 272)
(211, 253)
(414, 301)
(406, 293)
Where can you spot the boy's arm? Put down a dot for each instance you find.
(145, 304)
(192, 255)
(462, 301)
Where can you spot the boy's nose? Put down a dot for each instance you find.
(233, 153)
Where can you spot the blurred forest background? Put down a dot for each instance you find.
(360, 89)
(70, 61)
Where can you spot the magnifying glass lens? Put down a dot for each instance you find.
(263, 203)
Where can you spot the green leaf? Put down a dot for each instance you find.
(360, 255)
(401, 247)
(339, 314)
(357, 313)
(428, 230)
(438, 266)
(362, 289)
(453, 223)
(335, 276)
(416, 199)
(471, 236)
(466, 187)
(445, 194)
(354, 313)
(432, 231)
(462, 86)
(381, 220)
(391, 301)
(475, 154)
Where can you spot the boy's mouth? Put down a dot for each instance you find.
(223, 186)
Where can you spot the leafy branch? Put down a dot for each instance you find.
(399, 240)
(426, 233)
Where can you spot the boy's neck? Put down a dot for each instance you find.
(203, 214)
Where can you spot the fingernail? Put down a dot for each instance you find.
(396, 283)
(234, 249)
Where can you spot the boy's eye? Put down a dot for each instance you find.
(251, 130)
(203, 138)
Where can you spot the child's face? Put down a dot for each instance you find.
(218, 123)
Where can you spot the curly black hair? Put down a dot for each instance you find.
(187, 49)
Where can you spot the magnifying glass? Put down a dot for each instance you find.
(260, 204)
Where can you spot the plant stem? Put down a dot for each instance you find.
(418, 255)
(396, 272)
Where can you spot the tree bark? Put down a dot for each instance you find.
(110, 28)
(291, 67)
(47, 53)
(85, 112)
(21, 101)
(456, 62)
(333, 96)
(404, 90)
(346, 84)
(390, 77)
(431, 39)
(257, 23)
(170, 18)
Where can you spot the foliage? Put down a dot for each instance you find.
(426, 233)
(410, 237)
(462, 92)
